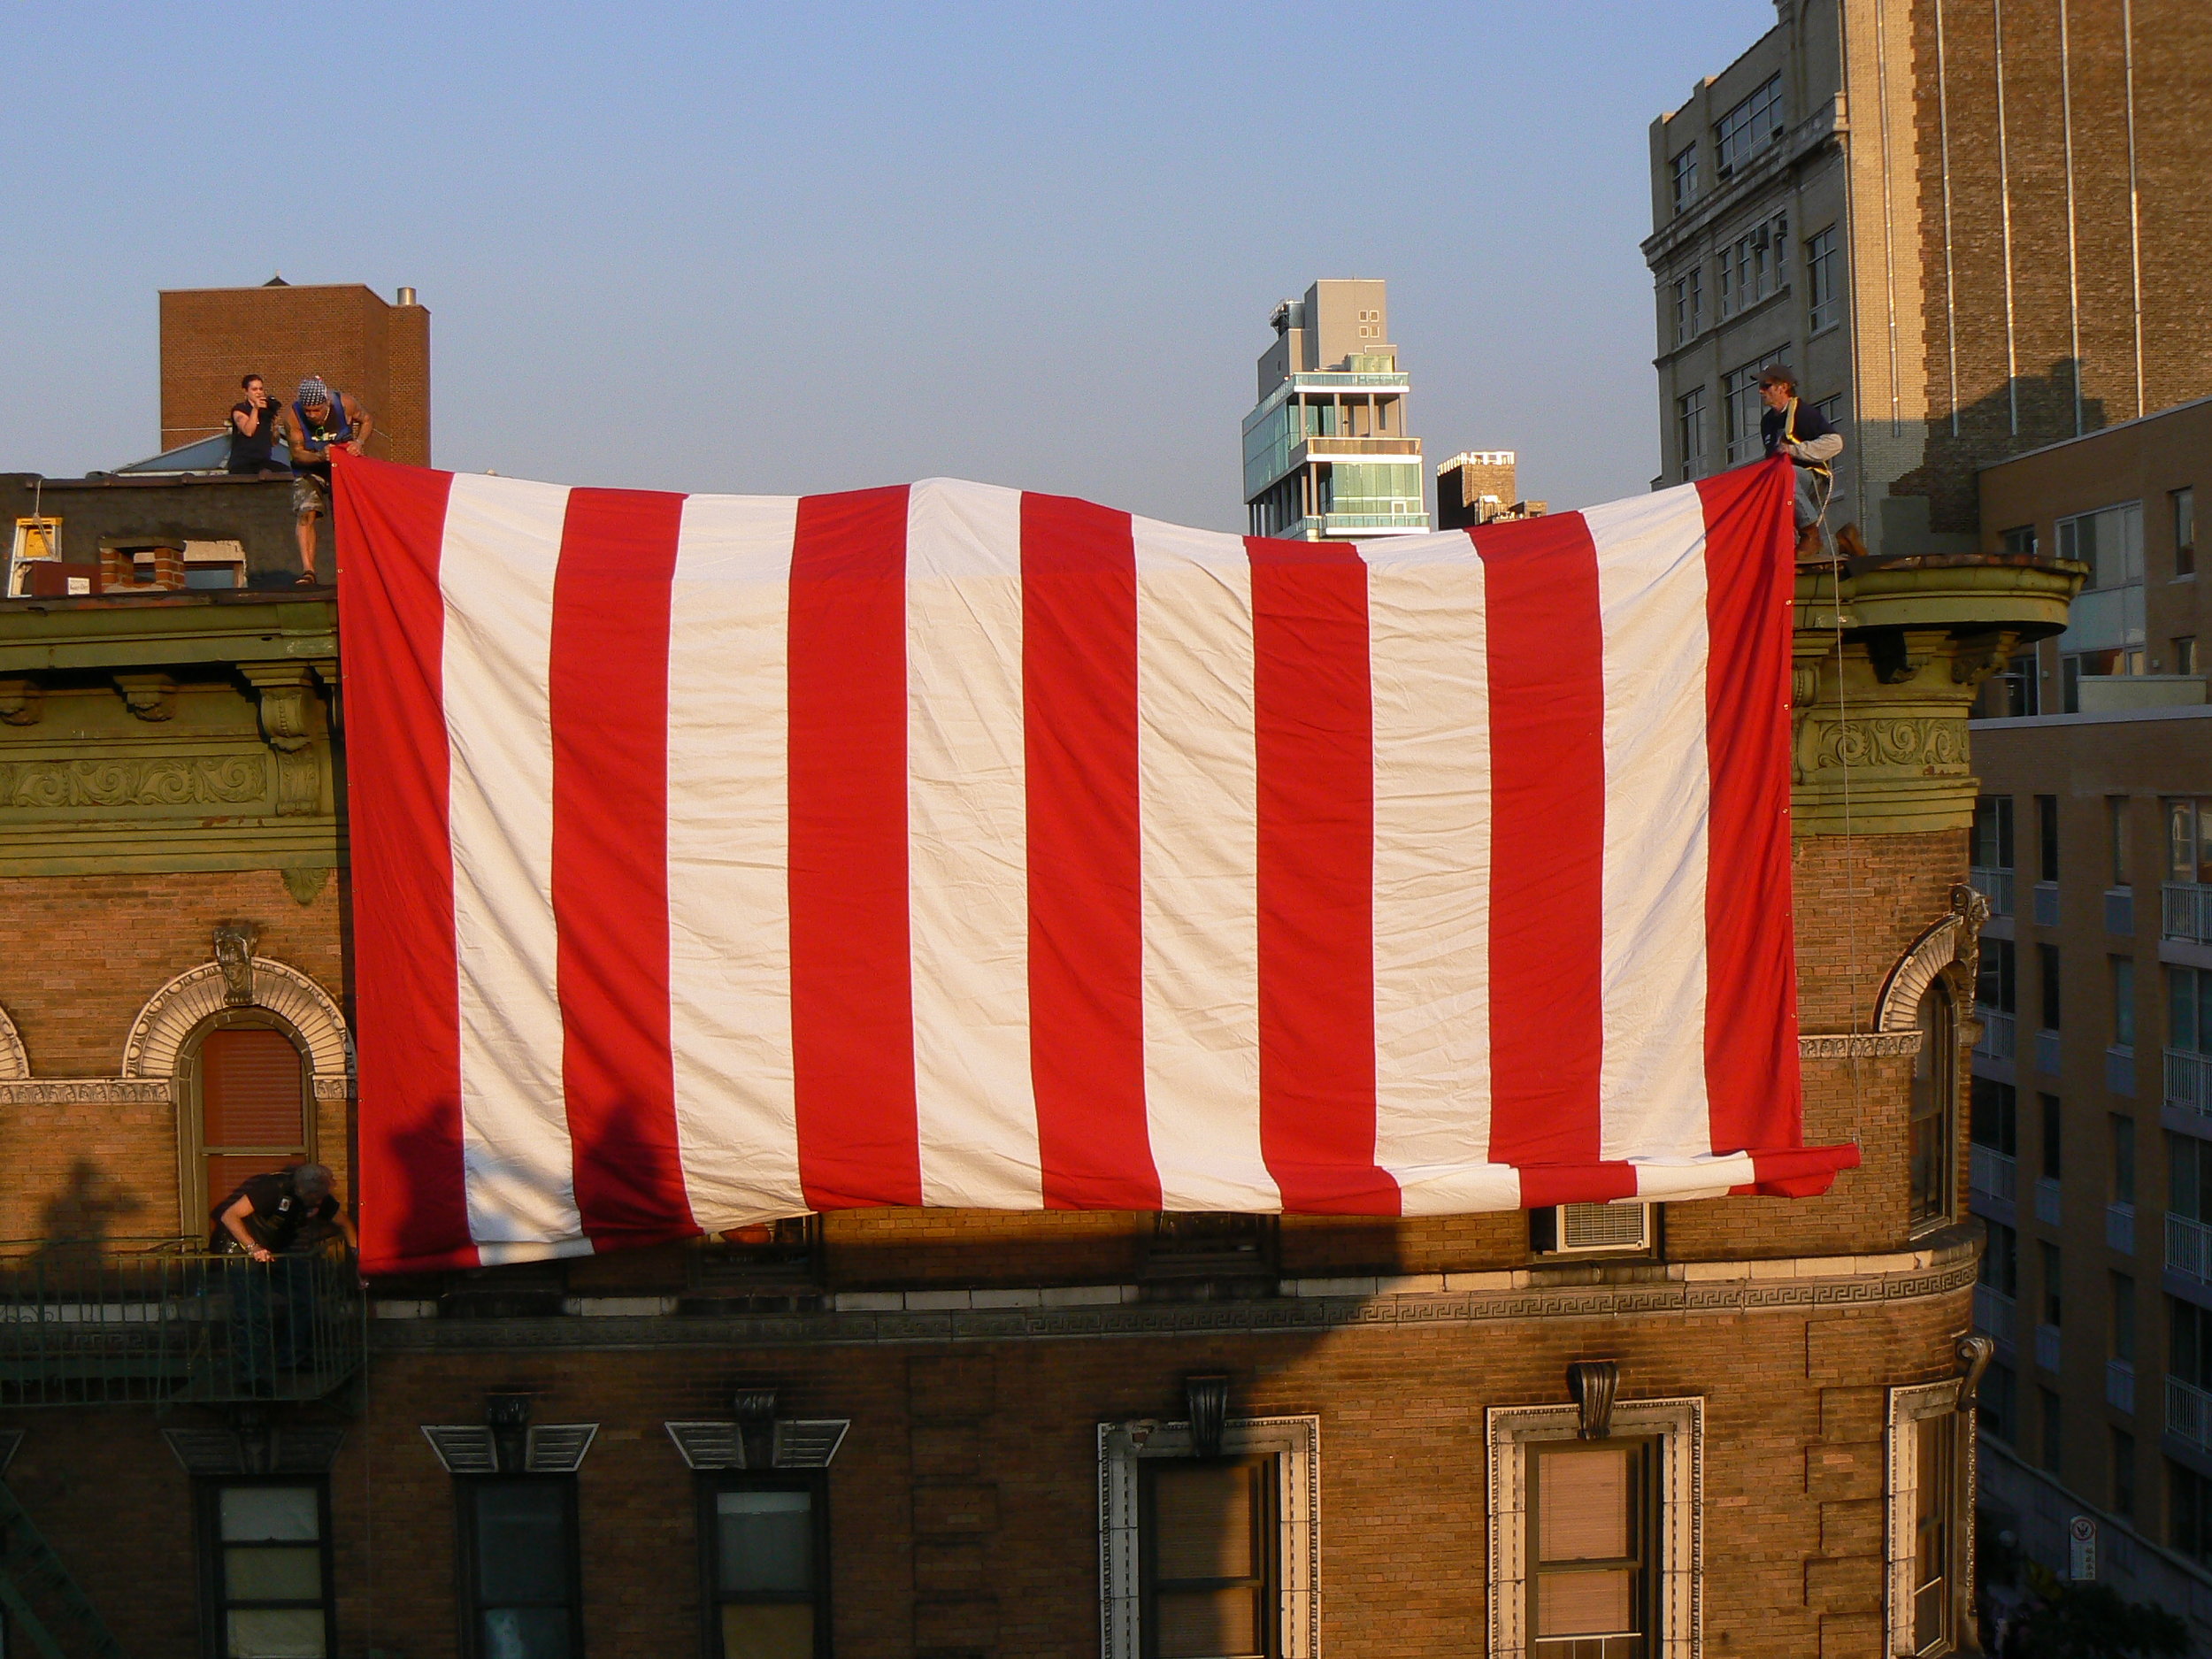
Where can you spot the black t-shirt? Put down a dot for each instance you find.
(1810, 424)
(279, 1213)
(252, 454)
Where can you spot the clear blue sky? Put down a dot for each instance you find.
(802, 247)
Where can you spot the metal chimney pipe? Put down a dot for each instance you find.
(407, 297)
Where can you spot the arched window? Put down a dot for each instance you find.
(1934, 1140)
(246, 1108)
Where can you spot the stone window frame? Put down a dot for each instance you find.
(1909, 1406)
(1294, 1443)
(1678, 1425)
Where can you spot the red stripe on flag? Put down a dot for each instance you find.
(1753, 1088)
(1547, 840)
(412, 1194)
(607, 695)
(1086, 895)
(1315, 751)
(1546, 1185)
(852, 1004)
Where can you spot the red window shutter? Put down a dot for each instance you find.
(251, 1090)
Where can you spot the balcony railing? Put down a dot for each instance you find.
(2188, 911)
(1997, 1039)
(1991, 1173)
(2189, 1249)
(2119, 1385)
(1995, 886)
(1995, 1314)
(2188, 1411)
(2189, 1081)
(118, 1322)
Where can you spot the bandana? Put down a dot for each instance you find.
(313, 391)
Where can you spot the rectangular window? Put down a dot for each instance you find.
(2105, 628)
(1749, 126)
(2018, 542)
(265, 1556)
(1689, 421)
(2052, 1121)
(2001, 1260)
(1997, 1404)
(2185, 515)
(2054, 1283)
(2122, 1473)
(2116, 809)
(1992, 832)
(1935, 1511)
(1591, 1521)
(2047, 987)
(2189, 1010)
(1689, 306)
(2189, 1178)
(2122, 1160)
(1995, 1113)
(520, 1578)
(2189, 839)
(2189, 1508)
(1209, 1573)
(2047, 837)
(1823, 272)
(1996, 985)
(2124, 1001)
(2186, 653)
(1753, 268)
(1740, 401)
(2053, 1420)
(2189, 1349)
(1685, 171)
(1934, 1134)
(767, 1545)
(2123, 1319)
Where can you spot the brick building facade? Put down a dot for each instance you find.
(375, 351)
(979, 1416)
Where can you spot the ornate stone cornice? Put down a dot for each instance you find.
(1949, 1273)
(87, 1091)
(1843, 1045)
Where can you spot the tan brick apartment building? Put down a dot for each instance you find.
(941, 1432)
(1974, 228)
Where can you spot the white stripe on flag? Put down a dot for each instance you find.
(967, 847)
(1427, 660)
(729, 897)
(503, 541)
(1658, 813)
(1198, 800)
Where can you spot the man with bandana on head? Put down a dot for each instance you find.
(318, 419)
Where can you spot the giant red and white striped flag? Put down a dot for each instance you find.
(719, 858)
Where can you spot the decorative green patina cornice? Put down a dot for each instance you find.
(1887, 662)
(185, 732)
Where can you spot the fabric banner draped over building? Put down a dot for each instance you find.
(719, 858)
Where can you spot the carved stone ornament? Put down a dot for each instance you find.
(1206, 1398)
(284, 689)
(155, 1044)
(15, 1060)
(20, 701)
(1975, 1352)
(306, 885)
(233, 955)
(154, 780)
(1982, 655)
(148, 696)
(1593, 1383)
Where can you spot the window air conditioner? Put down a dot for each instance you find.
(1594, 1229)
